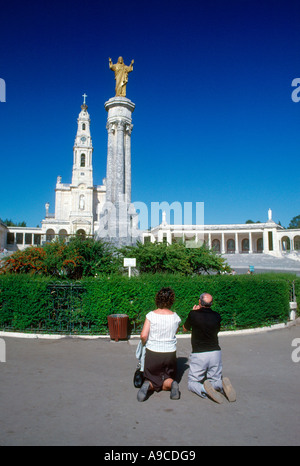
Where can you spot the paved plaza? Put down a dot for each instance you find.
(79, 392)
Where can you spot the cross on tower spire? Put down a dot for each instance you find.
(84, 97)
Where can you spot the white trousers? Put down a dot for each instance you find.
(205, 366)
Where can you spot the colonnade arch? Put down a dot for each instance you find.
(290, 242)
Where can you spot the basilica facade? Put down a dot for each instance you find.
(77, 204)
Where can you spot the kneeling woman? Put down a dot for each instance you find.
(159, 336)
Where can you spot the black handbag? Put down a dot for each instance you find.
(138, 377)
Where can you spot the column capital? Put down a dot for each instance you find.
(121, 125)
(128, 128)
(111, 127)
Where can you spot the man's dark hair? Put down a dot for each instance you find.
(165, 298)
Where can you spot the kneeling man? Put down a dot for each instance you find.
(205, 374)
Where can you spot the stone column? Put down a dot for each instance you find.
(118, 212)
(128, 130)
(110, 176)
(265, 241)
(250, 243)
(223, 244)
(236, 243)
(120, 163)
(209, 241)
(169, 237)
(118, 176)
(276, 242)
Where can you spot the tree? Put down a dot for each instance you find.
(175, 258)
(203, 259)
(95, 256)
(156, 257)
(295, 222)
(11, 223)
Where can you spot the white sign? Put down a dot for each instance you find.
(129, 262)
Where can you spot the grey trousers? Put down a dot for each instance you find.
(205, 366)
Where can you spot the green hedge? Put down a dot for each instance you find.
(297, 291)
(26, 302)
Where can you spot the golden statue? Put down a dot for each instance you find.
(121, 75)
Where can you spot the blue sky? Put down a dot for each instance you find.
(214, 120)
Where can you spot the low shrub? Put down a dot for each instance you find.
(87, 257)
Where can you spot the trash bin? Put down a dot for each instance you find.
(118, 326)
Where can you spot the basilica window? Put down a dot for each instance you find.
(50, 235)
(28, 238)
(297, 243)
(270, 240)
(62, 233)
(230, 245)
(80, 233)
(260, 244)
(10, 238)
(216, 245)
(37, 239)
(83, 126)
(285, 243)
(245, 245)
(19, 238)
(82, 160)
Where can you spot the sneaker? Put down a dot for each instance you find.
(212, 393)
(228, 389)
(143, 391)
(175, 393)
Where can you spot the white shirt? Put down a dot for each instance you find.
(162, 335)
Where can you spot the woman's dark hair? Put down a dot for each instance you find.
(165, 298)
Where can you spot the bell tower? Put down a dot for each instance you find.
(81, 215)
(77, 204)
(83, 150)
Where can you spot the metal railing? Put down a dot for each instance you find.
(66, 314)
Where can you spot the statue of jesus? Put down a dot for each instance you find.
(121, 75)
